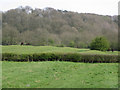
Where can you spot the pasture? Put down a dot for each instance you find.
(59, 75)
(47, 49)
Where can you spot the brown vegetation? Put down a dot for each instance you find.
(56, 27)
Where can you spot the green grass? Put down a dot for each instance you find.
(59, 75)
(44, 49)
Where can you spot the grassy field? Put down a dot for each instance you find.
(55, 74)
(44, 49)
(59, 75)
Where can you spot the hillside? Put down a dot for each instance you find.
(56, 27)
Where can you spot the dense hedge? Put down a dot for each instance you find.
(73, 57)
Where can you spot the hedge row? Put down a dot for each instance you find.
(73, 57)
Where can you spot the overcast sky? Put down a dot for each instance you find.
(103, 7)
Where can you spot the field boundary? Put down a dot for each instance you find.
(72, 57)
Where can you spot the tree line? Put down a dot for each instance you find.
(56, 27)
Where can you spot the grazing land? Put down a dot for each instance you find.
(40, 49)
(44, 49)
(59, 75)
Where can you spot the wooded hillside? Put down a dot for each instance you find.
(56, 27)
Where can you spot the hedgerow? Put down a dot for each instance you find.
(73, 57)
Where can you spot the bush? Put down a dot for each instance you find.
(100, 43)
(15, 57)
(72, 44)
(73, 57)
(61, 45)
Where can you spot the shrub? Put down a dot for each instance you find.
(51, 42)
(61, 45)
(72, 44)
(15, 57)
(73, 57)
(100, 43)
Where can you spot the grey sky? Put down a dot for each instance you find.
(103, 7)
